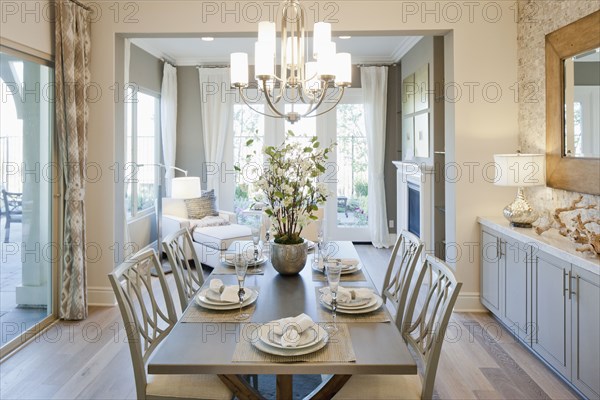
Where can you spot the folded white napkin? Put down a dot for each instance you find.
(348, 296)
(290, 329)
(348, 262)
(219, 291)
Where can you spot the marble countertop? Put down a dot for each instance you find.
(550, 242)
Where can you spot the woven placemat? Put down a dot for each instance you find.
(355, 277)
(225, 270)
(338, 349)
(325, 315)
(198, 314)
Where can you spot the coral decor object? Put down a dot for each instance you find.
(580, 231)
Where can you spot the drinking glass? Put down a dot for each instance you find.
(326, 250)
(334, 270)
(241, 267)
(255, 231)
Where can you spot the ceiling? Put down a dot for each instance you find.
(195, 51)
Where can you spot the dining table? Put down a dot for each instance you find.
(202, 343)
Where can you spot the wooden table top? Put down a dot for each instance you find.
(208, 348)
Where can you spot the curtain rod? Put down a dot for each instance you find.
(376, 65)
(168, 62)
(212, 66)
(81, 5)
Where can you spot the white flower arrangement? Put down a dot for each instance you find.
(289, 182)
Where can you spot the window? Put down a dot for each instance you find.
(352, 159)
(304, 129)
(247, 126)
(142, 152)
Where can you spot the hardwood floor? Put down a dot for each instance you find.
(90, 359)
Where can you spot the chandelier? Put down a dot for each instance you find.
(300, 81)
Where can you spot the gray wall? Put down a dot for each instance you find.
(393, 143)
(190, 144)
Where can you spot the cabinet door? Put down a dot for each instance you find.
(490, 272)
(585, 293)
(516, 287)
(551, 311)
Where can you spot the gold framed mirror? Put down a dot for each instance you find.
(578, 174)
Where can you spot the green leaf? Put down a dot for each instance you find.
(249, 142)
(316, 144)
(269, 212)
(236, 168)
(314, 217)
(320, 168)
(307, 149)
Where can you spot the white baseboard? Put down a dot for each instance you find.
(469, 302)
(101, 296)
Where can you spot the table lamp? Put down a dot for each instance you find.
(520, 170)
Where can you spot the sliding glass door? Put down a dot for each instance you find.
(28, 178)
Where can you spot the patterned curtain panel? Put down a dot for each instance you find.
(72, 79)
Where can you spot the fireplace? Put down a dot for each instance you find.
(414, 209)
(415, 200)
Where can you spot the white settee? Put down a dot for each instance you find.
(209, 242)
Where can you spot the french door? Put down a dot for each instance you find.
(346, 212)
(29, 176)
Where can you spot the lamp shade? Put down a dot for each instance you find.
(239, 69)
(520, 170)
(187, 187)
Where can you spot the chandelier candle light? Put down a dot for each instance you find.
(300, 81)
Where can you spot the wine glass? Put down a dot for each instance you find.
(325, 250)
(334, 270)
(241, 267)
(255, 231)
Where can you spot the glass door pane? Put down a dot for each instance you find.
(347, 215)
(26, 183)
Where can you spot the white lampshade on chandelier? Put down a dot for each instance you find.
(301, 81)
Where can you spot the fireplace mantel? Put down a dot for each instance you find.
(421, 176)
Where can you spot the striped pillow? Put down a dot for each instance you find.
(203, 206)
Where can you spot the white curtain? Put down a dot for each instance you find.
(216, 106)
(374, 87)
(168, 121)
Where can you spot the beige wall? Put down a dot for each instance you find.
(29, 24)
(548, 16)
(485, 51)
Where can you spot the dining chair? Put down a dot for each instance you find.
(187, 279)
(399, 275)
(424, 331)
(149, 315)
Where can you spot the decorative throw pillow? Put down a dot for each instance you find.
(203, 206)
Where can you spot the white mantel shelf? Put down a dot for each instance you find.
(550, 242)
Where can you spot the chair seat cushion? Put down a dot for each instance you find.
(376, 387)
(219, 237)
(187, 387)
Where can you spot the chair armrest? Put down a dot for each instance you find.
(229, 216)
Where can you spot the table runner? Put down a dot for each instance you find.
(338, 349)
(324, 314)
(198, 314)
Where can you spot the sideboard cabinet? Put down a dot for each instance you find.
(548, 295)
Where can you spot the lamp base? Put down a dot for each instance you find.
(519, 213)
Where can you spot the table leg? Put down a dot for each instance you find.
(284, 387)
(240, 387)
(329, 388)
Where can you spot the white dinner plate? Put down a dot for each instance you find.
(203, 301)
(251, 263)
(205, 298)
(310, 337)
(368, 303)
(378, 301)
(347, 271)
(289, 351)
